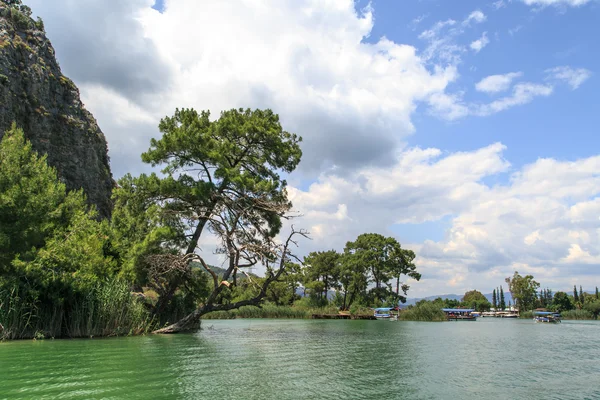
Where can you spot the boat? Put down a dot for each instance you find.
(510, 315)
(488, 314)
(459, 314)
(548, 317)
(384, 313)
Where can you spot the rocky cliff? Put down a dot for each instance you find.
(46, 104)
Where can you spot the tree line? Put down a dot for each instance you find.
(218, 178)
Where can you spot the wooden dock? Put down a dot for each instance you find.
(341, 316)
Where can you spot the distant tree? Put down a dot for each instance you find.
(502, 302)
(597, 294)
(593, 307)
(562, 302)
(575, 295)
(322, 271)
(581, 295)
(353, 278)
(475, 299)
(384, 259)
(494, 300)
(523, 290)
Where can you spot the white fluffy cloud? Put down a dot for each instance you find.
(452, 107)
(497, 83)
(544, 221)
(476, 16)
(479, 44)
(353, 101)
(574, 77)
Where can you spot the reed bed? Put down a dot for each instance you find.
(105, 309)
(423, 312)
(271, 311)
(577, 315)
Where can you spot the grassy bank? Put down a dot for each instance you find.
(271, 311)
(423, 312)
(105, 309)
(567, 315)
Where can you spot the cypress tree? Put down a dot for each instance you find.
(581, 295)
(575, 296)
(494, 302)
(597, 295)
(502, 303)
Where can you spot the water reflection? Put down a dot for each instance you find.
(291, 359)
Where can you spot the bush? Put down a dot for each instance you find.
(105, 309)
(577, 314)
(424, 311)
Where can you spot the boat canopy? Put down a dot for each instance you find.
(384, 309)
(544, 313)
(458, 309)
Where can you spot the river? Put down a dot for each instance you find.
(316, 359)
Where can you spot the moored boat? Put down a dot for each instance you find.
(459, 314)
(546, 317)
(383, 313)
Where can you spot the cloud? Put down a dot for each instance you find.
(351, 100)
(476, 16)
(499, 4)
(442, 38)
(497, 83)
(452, 107)
(104, 43)
(522, 93)
(574, 77)
(480, 43)
(544, 220)
(556, 3)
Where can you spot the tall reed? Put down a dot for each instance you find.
(577, 314)
(104, 309)
(423, 312)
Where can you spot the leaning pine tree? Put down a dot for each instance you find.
(222, 178)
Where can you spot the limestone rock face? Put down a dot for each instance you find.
(46, 104)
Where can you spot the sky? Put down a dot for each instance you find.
(465, 129)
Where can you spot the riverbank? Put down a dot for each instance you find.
(573, 315)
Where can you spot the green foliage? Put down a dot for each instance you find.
(577, 314)
(423, 311)
(231, 162)
(34, 204)
(502, 301)
(322, 271)
(104, 309)
(562, 302)
(476, 300)
(381, 259)
(593, 307)
(523, 290)
(57, 261)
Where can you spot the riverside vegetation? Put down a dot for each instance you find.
(65, 272)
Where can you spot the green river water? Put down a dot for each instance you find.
(316, 359)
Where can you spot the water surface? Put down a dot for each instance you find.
(310, 359)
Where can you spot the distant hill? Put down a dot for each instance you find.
(412, 301)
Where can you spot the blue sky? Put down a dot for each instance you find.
(563, 126)
(466, 129)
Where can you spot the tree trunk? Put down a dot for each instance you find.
(189, 323)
